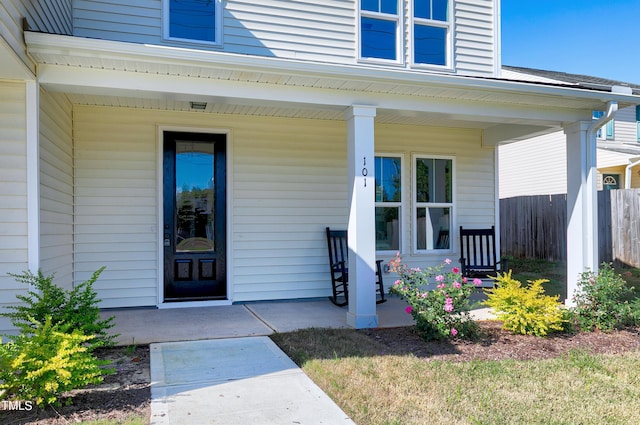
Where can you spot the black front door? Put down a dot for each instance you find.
(194, 216)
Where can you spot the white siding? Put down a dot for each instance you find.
(115, 205)
(475, 45)
(537, 166)
(626, 130)
(56, 188)
(288, 182)
(13, 189)
(302, 29)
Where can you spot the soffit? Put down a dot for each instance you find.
(127, 59)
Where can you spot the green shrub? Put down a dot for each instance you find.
(525, 310)
(76, 309)
(41, 365)
(604, 301)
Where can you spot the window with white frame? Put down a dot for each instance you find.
(428, 33)
(431, 32)
(380, 29)
(193, 20)
(433, 206)
(388, 203)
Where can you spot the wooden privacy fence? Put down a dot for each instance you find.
(536, 226)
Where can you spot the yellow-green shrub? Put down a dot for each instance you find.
(525, 310)
(40, 366)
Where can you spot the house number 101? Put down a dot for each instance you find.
(364, 170)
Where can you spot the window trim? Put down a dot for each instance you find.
(399, 60)
(413, 21)
(415, 205)
(400, 205)
(166, 21)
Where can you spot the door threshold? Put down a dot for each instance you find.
(192, 304)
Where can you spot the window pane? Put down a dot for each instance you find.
(433, 228)
(433, 180)
(388, 179)
(387, 229)
(192, 19)
(422, 9)
(430, 45)
(378, 39)
(389, 6)
(371, 5)
(431, 9)
(440, 11)
(384, 6)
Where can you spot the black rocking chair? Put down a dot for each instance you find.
(339, 263)
(479, 258)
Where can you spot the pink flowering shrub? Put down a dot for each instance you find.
(442, 313)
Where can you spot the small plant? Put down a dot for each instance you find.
(442, 313)
(604, 301)
(76, 309)
(43, 364)
(525, 310)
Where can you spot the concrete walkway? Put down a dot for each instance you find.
(217, 365)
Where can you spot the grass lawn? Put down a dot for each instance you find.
(556, 272)
(376, 388)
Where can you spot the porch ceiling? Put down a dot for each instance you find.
(99, 72)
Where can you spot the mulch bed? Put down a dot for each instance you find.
(127, 392)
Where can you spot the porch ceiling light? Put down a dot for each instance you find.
(199, 106)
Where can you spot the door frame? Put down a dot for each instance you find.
(160, 215)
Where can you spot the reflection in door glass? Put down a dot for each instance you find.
(194, 196)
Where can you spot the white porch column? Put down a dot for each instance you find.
(32, 109)
(361, 227)
(582, 205)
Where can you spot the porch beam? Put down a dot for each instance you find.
(582, 208)
(108, 82)
(361, 228)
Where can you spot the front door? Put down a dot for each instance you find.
(194, 216)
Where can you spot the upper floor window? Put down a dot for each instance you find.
(428, 34)
(388, 204)
(433, 207)
(431, 32)
(379, 29)
(193, 20)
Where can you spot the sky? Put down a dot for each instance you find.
(596, 38)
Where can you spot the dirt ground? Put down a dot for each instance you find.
(127, 392)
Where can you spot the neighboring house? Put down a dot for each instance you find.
(538, 166)
(199, 149)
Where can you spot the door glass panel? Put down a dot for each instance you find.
(194, 196)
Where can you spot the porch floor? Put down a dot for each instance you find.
(150, 325)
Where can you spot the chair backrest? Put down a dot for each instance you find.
(338, 248)
(478, 247)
